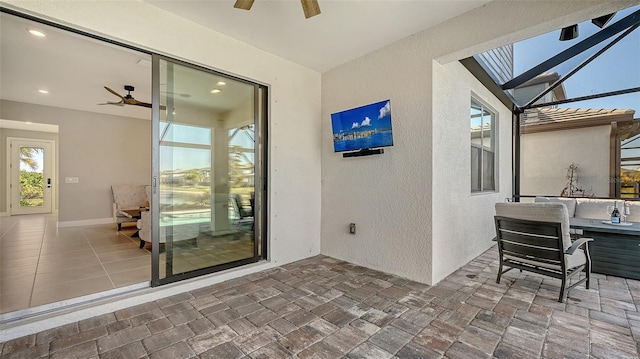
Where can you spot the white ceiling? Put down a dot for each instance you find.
(345, 29)
(74, 68)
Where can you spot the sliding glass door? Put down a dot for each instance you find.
(208, 160)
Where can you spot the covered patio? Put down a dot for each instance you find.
(326, 308)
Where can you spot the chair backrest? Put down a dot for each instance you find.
(569, 202)
(129, 196)
(550, 212)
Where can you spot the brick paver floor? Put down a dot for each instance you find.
(326, 308)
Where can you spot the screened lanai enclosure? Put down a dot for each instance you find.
(575, 98)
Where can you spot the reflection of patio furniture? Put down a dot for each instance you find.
(178, 229)
(243, 218)
(127, 197)
(535, 237)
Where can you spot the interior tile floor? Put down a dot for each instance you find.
(326, 308)
(41, 263)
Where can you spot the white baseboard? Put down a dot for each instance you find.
(4, 214)
(85, 222)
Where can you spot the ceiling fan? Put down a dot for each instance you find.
(127, 99)
(310, 7)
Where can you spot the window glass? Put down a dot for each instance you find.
(482, 127)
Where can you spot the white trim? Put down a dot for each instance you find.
(4, 214)
(85, 222)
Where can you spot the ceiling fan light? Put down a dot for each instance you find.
(310, 8)
(602, 20)
(243, 4)
(569, 33)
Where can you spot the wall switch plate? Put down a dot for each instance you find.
(352, 228)
(71, 180)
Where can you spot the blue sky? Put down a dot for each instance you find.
(616, 69)
(373, 116)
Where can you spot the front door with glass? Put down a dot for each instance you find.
(31, 176)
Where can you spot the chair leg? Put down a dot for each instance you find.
(142, 244)
(499, 273)
(563, 289)
(588, 274)
(119, 226)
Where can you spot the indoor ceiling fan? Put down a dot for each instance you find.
(127, 99)
(310, 7)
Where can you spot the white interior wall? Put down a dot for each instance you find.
(294, 129)
(546, 156)
(463, 222)
(99, 149)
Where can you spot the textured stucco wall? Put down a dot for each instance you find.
(463, 222)
(392, 197)
(547, 155)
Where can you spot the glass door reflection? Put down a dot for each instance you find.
(206, 173)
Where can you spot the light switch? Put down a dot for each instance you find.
(71, 180)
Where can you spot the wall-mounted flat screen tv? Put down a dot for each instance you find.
(362, 127)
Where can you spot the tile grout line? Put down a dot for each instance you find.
(113, 286)
(35, 274)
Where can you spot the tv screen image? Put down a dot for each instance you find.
(363, 127)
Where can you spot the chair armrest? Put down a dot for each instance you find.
(577, 244)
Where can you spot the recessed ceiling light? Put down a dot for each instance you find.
(215, 91)
(43, 91)
(221, 83)
(36, 33)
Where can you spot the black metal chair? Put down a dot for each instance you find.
(535, 237)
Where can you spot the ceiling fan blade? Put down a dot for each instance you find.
(144, 104)
(243, 4)
(310, 8)
(115, 93)
(112, 103)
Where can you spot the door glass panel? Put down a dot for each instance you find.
(31, 176)
(206, 171)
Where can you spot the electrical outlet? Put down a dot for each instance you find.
(352, 228)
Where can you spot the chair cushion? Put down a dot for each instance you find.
(576, 259)
(544, 212)
(594, 208)
(569, 202)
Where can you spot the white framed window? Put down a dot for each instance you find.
(483, 147)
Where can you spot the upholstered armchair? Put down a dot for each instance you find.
(127, 197)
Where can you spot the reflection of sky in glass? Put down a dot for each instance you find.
(186, 134)
(243, 138)
(176, 157)
(183, 158)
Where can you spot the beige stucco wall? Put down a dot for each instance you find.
(546, 157)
